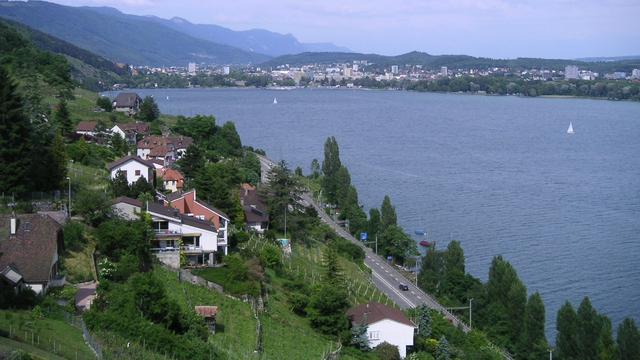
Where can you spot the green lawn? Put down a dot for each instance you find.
(7, 346)
(51, 335)
(222, 277)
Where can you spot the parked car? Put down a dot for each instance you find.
(403, 287)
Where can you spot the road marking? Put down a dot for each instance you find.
(411, 304)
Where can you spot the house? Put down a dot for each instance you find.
(208, 313)
(87, 128)
(30, 249)
(172, 179)
(255, 210)
(131, 131)
(187, 204)
(384, 324)
(165, 148)
(133, 168)
(127, 102)
(174, 233)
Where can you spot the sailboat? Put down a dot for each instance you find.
(570, 129)
(275, 101)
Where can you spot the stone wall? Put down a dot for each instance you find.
(169, 258)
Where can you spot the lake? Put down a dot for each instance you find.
(500, 174)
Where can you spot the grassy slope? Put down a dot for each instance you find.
(7, 346)
(67, 338)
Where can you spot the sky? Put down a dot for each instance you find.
(489, 28)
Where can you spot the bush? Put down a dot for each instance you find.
(94, 206)
(104, 103)
(270, 256)
(386, 351)
(348, 249)
(299, 303)
(74, 235)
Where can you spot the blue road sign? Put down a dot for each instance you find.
(363, 236)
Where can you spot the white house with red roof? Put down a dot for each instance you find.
(134, 168)
(384, 324)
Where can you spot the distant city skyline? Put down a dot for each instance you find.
(488, 28)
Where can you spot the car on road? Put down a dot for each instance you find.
(403, 287)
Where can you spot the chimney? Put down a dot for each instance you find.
(14, 225)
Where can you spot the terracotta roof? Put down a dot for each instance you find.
(373, 312)
(86, 126)
(127, 158)
(31, 250)
(139, 127)
(206, 311)
(179, 194)
(171, 175)
(125, 99)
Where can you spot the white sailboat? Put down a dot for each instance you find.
(570, 129)
(275, 101)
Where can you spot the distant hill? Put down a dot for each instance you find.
(610, 58)
(429, 61)
(123, 38)
(27, 52)
(255, 40)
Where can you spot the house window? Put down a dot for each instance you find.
(374, 335)
(137, 172)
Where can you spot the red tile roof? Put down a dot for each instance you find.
(206, 311)
(86, 126)
(373, 312)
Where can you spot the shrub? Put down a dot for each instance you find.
(386, 351)
(73, 235)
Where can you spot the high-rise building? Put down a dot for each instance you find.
(394, 69)
(571, 72)
(444, 71)
(226, 70)
(355, 67)
(635, 74)
(346, 71)
(191, 68)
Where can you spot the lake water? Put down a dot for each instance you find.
(500, 174)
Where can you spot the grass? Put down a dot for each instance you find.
(222, 276)
(236, 325)
(78, 264)
(83, 176)
(52, 335)
(8, 346)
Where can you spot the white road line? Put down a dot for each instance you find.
(394, 290)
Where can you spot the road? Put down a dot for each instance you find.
(384, 276)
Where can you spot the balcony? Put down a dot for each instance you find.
(191, 249)
(164, 233)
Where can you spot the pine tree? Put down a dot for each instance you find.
(359, 338)
(388, 215)
(58, 166)
(424, 321)
(332, 271)
(628, 340)
(191, 162)
(606, 345)
(443, 352)
(330, 167)
(374, 223)
(567, 347)
(589, 327)
(15, 130)
(534, 342)
(120, 185)
(149, 111)
(62, 118)
(315, 168)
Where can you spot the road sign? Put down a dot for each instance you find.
(363, 236)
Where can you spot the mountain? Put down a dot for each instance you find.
(429, 61)
(123, 38)
(610, 58)
(255, 40)
(32, 50)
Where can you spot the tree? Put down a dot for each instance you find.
(330, 167)
(191, 162)
(15, 129)
(359, 338)
(388, 215)
(119, 184)
(589, 327)
(394, 242)
(141, 186)
(332, 271)
(104, 103)
(149, 110)
(443, 352)
(315, 168)
(628, 340)
(62, 118)
(374, 225)
(227, 141)
(533, 341)
(606, 345)
(424, 321)
(93, 205)
(119, 145)
(567, 346)
(327, 309)
(386, 351)
(282, 192)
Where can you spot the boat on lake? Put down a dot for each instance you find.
(425, 243)
(570, 129)
(275, 101)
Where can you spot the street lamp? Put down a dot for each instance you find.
(550, 354)
(69, 203)
(470, 300)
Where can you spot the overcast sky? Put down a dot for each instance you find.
(492, 28)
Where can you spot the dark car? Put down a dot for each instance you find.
(403, 287)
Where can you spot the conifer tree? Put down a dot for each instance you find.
(628, 340)
(330, 167)
(567, 347)
(15, 130)
(534, 342)
(62, 118)
(443, 352)
(388, 215)
(589, 327)
(424, 321)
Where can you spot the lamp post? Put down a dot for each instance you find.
(550, 354)
(69, 203)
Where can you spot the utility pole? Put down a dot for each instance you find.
(286, 209)
(69, 203)
(470, 300)
(550, 354)
(376, 243)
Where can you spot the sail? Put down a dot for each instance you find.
(570, 129)
(275, 101)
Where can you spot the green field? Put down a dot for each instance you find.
(51, 335)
